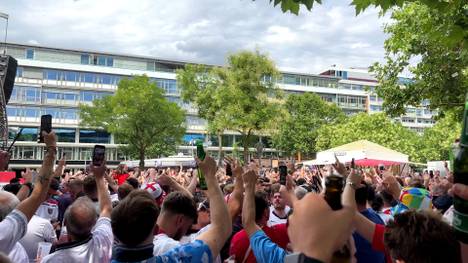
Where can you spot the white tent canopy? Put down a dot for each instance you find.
(358, 150)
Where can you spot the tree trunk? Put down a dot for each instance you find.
(246, 149)
(142, 160)
(220, 149)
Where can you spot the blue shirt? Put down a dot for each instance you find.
(364, 251)
(265, 250)
(196, 251)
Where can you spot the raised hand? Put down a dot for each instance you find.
(250, 180)
(208, 166)
(99, 171)
(339, 167)
(235, 166)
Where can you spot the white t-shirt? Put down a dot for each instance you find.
(39, 230)
(97, 248)
(18, 254)
(12, 229)
(274, 219)
(48, 210)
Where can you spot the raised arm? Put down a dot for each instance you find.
(221, 226)
(164, 179)
(60, 166)
(235, 202)
(29, 206)
(103, 195)
(248, 208)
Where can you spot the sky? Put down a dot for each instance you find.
(203, 31)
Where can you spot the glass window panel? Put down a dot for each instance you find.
(51, 74)
(86, 96)
(94, 136)
(28, 134)
(52, 111)
(19, 72)
(12, 111)
(31, 112)
(106, 79)
(71, 76)
(28, 153)
(101, 61)
(65, 135)
(190, 138)
(69, 96)
(84, 59)
(69, 114)
(30, 53)
(88, 77)
(110, 62)
(31, 94)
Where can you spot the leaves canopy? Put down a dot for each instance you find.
(139, 115)
(438, 42)
(306, 113)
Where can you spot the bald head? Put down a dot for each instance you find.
(80, 218)
(8, 202)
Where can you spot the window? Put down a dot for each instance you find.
(86, 96)
(85, 59)
(106, 79)
(30, 53)
(190, 138)
(51, 74)
(71, 76)
(31, 112)
(65, 135)
(19, 72)
(70, 96)
(12, 111)
(101, 61)
(32, 95)
(94, 136)
(88, 77)
(29, 134)
(110, 62)
(69, 114)
(27, 153)
(52, 111)
(373, 98)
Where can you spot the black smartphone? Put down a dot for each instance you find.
(353, 165)
(228, 169)
(99, 154)
(283, 172)
(46, 125)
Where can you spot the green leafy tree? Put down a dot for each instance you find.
(376, 128)
(440, 74)
(306, 113)
(199, 85)
(139, 115)
(437, 140)
(240, 96)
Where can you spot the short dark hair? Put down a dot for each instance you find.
(388, 198)
(421, 237)
(363, 193)
(301, 181)
(377, 203)
(134, 218)
(261, 203)
(180, 203)
(123, 190)
(89, 185)
(133, 182)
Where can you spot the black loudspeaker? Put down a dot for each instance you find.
(8, 67)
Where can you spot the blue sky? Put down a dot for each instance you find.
(203, 31)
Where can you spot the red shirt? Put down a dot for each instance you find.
(240, 241)
(121, 178)
(378, 242)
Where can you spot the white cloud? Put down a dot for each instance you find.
(203, 31)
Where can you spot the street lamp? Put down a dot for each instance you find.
(259, 146)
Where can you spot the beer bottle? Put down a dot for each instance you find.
(460, 171)
(201, 155)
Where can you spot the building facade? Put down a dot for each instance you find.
(56, 81)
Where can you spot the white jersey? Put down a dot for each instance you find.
(39, 230)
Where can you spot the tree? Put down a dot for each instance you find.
(437, 140)
(239, 97)
(438, 41)
(376, 128)
(307, 112)
(198, 85)
(139, 115)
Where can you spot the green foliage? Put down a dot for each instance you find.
(438, 140)
(139, 115)
(376, 128)
(437, 41)
(433, 145)
(306, 113)
(240, 97)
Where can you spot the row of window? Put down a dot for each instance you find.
(307, 81)
(65, 135)
(36, 112)
(227, 140)
(413, 120)
(38, 95)
(76, 154)
(87, 59)
(74, 76)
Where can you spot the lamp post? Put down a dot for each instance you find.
(259, 146)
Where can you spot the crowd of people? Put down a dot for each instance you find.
(162, 215)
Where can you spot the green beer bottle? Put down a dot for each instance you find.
(201, 155)
(460, 171)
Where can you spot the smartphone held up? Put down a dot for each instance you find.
(99, 153)
(46, 125)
